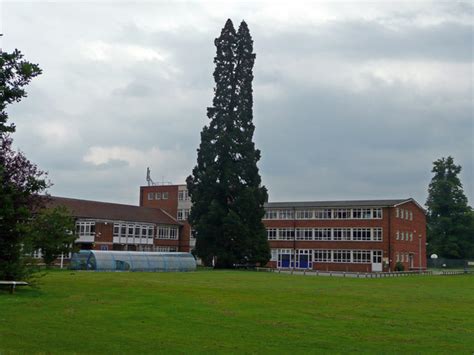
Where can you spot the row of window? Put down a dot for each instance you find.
(326, 234)
(405, 236)
(402, 257)
(157, 196)
(324, 213)
(85, 228)
(329, 256)
(183, 195)
(404, 214)
(183, 214)
(144, 231)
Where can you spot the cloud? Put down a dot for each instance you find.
(350, 101)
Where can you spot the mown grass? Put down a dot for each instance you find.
(238, 312)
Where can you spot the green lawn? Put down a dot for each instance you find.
(237, 312)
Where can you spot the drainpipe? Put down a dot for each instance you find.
(389, 240)
(294, 237)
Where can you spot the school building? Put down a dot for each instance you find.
(363, 236)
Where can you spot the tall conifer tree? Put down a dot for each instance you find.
(225, 186)
(450, 219)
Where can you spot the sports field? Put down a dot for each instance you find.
(237, 312)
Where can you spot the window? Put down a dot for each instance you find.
(304, 234)
(304, 214)
(116, 229)
(397, 212)
(342, 213)
(325, 213)
(85, 228)
(286, 234)
(398, 235)
(180, 216)
(341, 234)
(183, 195)
(272, 233)
(342, 256)
(361, 234)
(361, 256)
(411, 216)
(377, 213)
(411, 237)
(164, 195)
(322, 256)
(361, 213)
(271, 214)
(165, 249)
(397, 256)
(377, 234)
(167, 233)
(402, 213)
(322, 234)
(274, 255)
(286, 214)
(158, 196)
(150, 195)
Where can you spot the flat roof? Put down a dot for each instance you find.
(342, 203)
(112, 211)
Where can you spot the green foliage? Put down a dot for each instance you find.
(399, 266)
(21, 182)
(51, 230)
(225, 185)
(450, 219)
(15, 73)
(232, 312)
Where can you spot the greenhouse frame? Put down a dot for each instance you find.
(99, 260)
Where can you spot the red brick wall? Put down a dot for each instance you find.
(170, 205)
(417, 226)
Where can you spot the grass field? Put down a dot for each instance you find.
(238, 312)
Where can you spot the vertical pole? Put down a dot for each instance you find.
(419, 252)
(62, 260)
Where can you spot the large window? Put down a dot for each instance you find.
(322, 256)
(183, 214)
(271, 214)
(361, 256)
(325, 213)
(304, 234)
(304, 214)
(183, 195)
(322, 234)
(342, 213)
(359, 234)
(85, 228)
(286, 214)
(286, 234)
(342, 234)
(165, 232)
(272, 233)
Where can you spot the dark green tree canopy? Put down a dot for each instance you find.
(450, 219)
(225, 185)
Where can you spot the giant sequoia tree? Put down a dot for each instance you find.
(225, 185)
(450, 219)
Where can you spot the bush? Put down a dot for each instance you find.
(399, 266)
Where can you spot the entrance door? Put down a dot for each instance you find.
(411, 257)
(285, 258)
(304, 260)
(376, 260)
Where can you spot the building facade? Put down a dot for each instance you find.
(112, 226)
(363, 236)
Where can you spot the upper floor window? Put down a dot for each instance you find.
(271, 214)
(150, 195)
(164, 195)
(85, 228)
(183, 195)
(377, 213)
(286, 214)
(158, 196)
(325, 213)
(342, 213)
(304, 214)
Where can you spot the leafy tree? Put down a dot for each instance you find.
(21, 182)
(51, 230)
(225, 186)
(450, 219)
(15, 73)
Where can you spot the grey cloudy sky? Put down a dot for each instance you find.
(353, 100)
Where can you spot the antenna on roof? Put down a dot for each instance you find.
(148, 177)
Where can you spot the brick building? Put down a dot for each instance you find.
(366, 236)
(112, 226)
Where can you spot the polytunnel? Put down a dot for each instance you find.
(100, 260)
